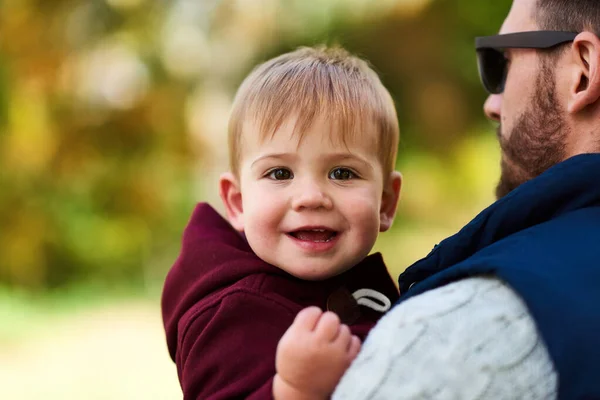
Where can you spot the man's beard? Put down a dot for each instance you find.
(538, 139)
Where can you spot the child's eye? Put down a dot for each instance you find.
(280, 174)
(342, 174)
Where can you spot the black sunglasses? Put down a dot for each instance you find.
(490, 53)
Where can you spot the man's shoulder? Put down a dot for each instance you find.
(419, 345)
(576, 230)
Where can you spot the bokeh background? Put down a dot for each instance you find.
(112, 126)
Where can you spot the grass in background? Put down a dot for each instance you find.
(84, 343)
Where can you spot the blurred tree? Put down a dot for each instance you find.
(95, 159)
(113, 115)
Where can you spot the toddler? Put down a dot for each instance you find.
(313, 136)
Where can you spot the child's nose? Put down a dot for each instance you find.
(311, 196)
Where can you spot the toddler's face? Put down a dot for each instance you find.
(310, 207)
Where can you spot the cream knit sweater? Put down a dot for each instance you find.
(472, 339)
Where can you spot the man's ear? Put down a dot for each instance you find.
(389, 201)
(585, 87)
(231, 195)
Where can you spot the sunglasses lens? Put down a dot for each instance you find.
(492, 70)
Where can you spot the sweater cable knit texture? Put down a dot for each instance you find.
(471, 339)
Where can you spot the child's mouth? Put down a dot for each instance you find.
(314, 235)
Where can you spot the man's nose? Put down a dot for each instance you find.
(493, 106)
(310, 196)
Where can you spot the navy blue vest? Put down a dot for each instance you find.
(543, 239)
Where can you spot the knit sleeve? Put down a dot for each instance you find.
(472, 339)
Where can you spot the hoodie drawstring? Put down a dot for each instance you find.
(372, 299)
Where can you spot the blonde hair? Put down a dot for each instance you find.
(313, 82)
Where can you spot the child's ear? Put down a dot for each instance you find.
(229, 189)
(389, 201)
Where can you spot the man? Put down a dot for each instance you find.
(510, 306)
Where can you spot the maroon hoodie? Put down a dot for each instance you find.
(224, 309)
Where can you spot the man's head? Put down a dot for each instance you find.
(313, 137)
(548, 107)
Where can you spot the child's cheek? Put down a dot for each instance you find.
(362, 210)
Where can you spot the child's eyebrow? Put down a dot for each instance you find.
(277, 156)
(328, 158)
(341, 157)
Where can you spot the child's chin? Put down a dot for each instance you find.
(311, 272)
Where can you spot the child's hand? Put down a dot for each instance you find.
(312, 355)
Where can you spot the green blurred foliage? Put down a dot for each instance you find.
(111, 115)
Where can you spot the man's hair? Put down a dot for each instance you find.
(309, 83)
(568, 15)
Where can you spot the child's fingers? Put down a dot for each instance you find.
(354, 347)
(308, 318)
(344, 337)
(328, 326)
